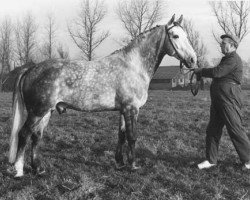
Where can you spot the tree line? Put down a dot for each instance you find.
(18, 41)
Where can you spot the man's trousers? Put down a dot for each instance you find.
(225, 110)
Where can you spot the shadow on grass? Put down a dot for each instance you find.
(170, 159)
(11, 184)
(69, 158)
(183, 167)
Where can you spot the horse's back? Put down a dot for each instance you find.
(84, 85)
(104, 84)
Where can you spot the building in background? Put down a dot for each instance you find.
(169, 77)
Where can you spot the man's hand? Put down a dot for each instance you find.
(198, 71)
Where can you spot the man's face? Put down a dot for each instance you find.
(226, 46)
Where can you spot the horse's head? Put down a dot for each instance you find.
(178, 44)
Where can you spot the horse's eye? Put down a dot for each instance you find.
(176, 36)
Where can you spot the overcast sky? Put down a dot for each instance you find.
(65, 10)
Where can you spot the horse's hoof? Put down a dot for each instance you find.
(11, 170)
(18, 176)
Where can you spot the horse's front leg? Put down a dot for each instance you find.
(121, 141)
(131, 133)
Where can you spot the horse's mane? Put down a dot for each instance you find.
(136, 39)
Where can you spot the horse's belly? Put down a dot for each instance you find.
(90, 101)
(100, 102)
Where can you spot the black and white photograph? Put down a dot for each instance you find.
(124, 100)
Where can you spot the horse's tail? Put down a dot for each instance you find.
(17, 115)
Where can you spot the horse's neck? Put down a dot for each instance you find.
(150, 51)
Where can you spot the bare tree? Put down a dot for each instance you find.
(246, 72)
(196, 42)
(25, 32)
(6, 30)
(50, 37)
(84, 29)
(232, 17)
(138, 16)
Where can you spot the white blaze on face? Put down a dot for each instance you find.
(182, 44)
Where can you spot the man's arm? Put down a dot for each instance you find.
(225, 67)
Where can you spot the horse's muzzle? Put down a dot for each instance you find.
(190, 62)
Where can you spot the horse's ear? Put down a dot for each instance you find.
(179, 21)
(171, 20)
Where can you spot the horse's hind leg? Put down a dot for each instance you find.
(35, 138)
(120, 144)
(23, 138)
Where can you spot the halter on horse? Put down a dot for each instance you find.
(118, 82)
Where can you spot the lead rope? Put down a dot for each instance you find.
(194, 81)
(195, 86)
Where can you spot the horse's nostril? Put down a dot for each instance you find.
(192, 60)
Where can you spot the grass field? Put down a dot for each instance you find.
(78, 153)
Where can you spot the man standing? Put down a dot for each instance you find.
(226, 102)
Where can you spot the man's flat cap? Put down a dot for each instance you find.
(235, 39)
